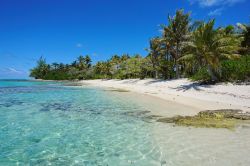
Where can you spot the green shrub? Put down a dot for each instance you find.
(234, 70)
(201, 75)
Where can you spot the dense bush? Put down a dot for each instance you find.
(231, 70)
(234, 70)
(201, 75)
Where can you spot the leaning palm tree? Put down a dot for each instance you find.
(209, 46)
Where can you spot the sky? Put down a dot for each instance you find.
(61, 30)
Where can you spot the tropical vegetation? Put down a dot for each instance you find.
(197, 50)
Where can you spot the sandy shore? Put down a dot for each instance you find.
(185, 92)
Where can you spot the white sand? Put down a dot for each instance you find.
(185, 92)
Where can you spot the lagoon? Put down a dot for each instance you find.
(47, 123)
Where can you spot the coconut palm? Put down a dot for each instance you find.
(177, 33)
(154, 55)
(81, 62)
(245, 31)
(87, 61)
(55, 65)
(209, 46)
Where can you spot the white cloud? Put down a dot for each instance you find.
(94, 54)
(216, 12)
(220, 4)
(11, 70)
(211, 3)
(79, 45)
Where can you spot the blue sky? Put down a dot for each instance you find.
(61, 30)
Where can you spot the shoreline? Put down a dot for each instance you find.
(184, 92)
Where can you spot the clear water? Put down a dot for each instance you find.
(45, 123)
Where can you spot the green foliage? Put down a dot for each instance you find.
(209, 46)
(230, 70)
(77, 70)
(175, 36)
(201, 75)
(41, 70)
(235, 70)
(245, 32)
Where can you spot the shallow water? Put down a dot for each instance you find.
(45, 123)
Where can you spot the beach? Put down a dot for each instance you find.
(184, 92)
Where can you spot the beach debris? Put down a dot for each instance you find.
(224, 118)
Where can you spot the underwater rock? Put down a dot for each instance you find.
(56, 106)
(136, 113)
(10, 102)
(153, 116)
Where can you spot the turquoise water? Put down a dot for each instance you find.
(46, 123)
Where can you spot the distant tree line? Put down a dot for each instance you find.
(196, 50)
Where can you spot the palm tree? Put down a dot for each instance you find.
(74, 64)
(177, 33)
(61, 66)
(155, 53)
(245, 31)
(41, 69)
(55, 65)
(81, 63)
(209, 46)
(115, 64)
(124, 57)
(87, 61)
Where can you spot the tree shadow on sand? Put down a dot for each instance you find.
(130, 81)
(155, 81)
(196, 86)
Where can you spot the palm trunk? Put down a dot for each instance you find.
(211, 73)
(156, 74)
(176, 61)
(177, 69)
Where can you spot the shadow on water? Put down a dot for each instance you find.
(10, 102)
